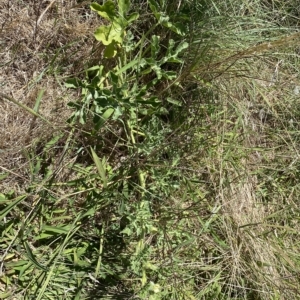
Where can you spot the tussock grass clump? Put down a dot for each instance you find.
(160, 162)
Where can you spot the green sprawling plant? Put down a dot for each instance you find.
(127, 93)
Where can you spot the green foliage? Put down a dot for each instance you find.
(113, 34)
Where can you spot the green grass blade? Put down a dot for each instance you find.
(7, 209)
(100, 167)
(38, 101)
(28, 109)
(31, 257)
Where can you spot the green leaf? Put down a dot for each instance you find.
(3, 175)
(88, 213)
(155, 46)
(170, 47)
(59, 230)
(94, 68)
(153, 6)
(182, 46)
(100, 167)
(107, 10)
(110, 50)
(127, 231)
(5, 295)
(128, 66)
(169, 75)
(53, 141)
(23, 268)
(73, 83)
(164, 20)
(173, 101)
(124, 6)
(118, 112)
(16, 264)
(106, 115)
(38, 101)
(43, 236)
(177, 28)
(108, 34)
(157, 70)
(32, 257)
(7, 209)
(172, 55)
(131, 18)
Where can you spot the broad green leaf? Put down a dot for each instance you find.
(124, 6)
(155, 288)
(149, 266)
(175, 27)
(117, 113)
(82, 263)
(108, 34)
(170, 47)
(172, 55)
(110, 50)
(114, 78)
(7, 209)
(100, 167)
(127, 231)
(73, 83)
(174, 60)
(107, 10)
(107, 113)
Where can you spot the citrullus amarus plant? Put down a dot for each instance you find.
(125, 95)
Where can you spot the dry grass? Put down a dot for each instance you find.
(259, 244)
(42, 42)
